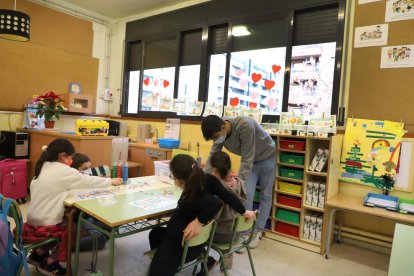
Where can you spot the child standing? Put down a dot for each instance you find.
(52, 182)
(196, 207)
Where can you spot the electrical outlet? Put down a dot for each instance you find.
(108, 95)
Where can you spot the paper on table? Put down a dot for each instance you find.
(382, 202)
(407, 207)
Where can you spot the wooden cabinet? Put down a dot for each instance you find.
(300, 191)
(78, 102)
(98, 148)
(147, 154)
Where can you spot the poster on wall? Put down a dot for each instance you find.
(374, 35)
(367, 1)
(371, 150)
(397, 56)
(396, 10)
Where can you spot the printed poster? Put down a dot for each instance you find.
(172, 128)
(374, 35)
(397, 56)
(370, 150)
(179, 105)
(396, 10)
(367, 1)
(213, 109)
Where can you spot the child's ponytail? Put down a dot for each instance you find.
(51, 153)
(184, 167)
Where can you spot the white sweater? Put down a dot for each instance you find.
(48, 191)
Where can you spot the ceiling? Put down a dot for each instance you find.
(116, 9)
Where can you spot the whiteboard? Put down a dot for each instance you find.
(404, 177)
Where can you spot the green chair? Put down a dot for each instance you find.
(204, 238)
(240, 226)
(16, 214)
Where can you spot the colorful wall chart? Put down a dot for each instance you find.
(371, 150)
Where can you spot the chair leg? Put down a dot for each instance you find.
(205, 268)
(251, 260)
(194, 269)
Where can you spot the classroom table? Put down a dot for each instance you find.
(345, 203)
(142, 204)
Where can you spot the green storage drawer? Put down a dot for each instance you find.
(287, 215)
(256, 196)
(294, 159)
(291, 173)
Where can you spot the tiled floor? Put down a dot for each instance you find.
(270, 258)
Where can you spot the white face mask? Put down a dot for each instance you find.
(87, 171)
(220, 140)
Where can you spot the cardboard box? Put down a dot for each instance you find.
(322, 161)
(92, 127)
(321, 195)
(316, 159)
(318, 232)
(309, 191)
(306, 226)
(313, 225)
(315, 193)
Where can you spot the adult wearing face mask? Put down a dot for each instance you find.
(243, 136)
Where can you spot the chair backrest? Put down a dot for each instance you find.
(241, 225)
(204, 237)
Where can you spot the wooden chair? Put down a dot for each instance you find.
(240, 226)
(204, 238)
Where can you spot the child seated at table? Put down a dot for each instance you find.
(200, 201)
(82, 163)
(52, 182)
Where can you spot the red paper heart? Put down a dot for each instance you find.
(234, 101)
(243, 82)
(252, 105)
(273, 103)
(146, 81)
(269, 84)
(166, 83)
(256, 77)
(254, 95)
(276, 68)
(239, 72)
(156, 82)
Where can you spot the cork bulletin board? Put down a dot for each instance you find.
(381, 94)
(59, 52)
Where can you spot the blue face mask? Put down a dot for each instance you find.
(220, 140)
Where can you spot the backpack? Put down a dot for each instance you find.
(11, 257)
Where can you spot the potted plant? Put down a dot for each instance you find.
(49, 106)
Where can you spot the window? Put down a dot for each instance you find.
(189, 74)
(159, 75)
(257, 65)
(134, 67)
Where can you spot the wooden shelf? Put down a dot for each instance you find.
(287, 193)
(294, 151)
(291, 165)
(287, 207)
(311, 242)
(289, 179)
(317, 173)
(287, 222)
(286, 235)
(313, 208)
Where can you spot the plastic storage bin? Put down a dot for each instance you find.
(168, 143)
(290, 188)
(92, 127)
(289, 201)
(162, 170)
(287, 229)
(292, 145)
(291, 173)
(294, 159)
(287, 215)
(256, 196)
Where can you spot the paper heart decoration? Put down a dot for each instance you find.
(252, 105)
(254, 95)
(256, 77)
(239, 72)
(272, 103)
(276, 68)
(269, 84)
(243, 82)
(165, 83)
(146, 81)
(156, 82)
(234, 101)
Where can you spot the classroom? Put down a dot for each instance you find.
(310, 99)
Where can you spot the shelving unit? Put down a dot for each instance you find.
(290, 206)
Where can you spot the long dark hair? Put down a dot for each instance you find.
(221, 162)
(184, 167)
(51, 153)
